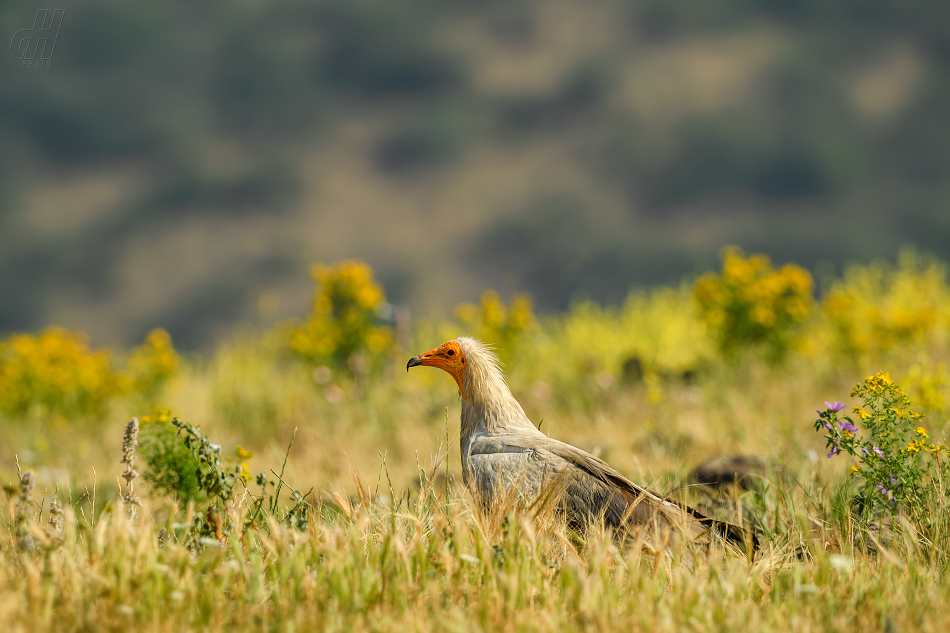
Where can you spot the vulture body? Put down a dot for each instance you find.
(505, 455)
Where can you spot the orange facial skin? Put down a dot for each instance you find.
(447, 357)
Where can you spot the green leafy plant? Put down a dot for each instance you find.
(184, 463)
(896, 460)
(171, 468)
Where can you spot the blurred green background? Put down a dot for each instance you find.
(181, 164)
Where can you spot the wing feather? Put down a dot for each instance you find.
(593, 488)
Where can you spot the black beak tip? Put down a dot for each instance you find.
(415, 361)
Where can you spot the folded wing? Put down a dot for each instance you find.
(588, 489)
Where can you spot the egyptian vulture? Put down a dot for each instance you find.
(503, 453)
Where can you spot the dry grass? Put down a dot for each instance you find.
(438, 564)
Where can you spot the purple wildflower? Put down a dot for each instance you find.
(834, 451)
(834, 406)
(865, 451)
(844, 425)
(884, 491)
(878, 452)
(827, 425)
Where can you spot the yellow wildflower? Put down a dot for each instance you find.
(242, 454)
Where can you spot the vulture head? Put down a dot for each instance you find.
(448, 357)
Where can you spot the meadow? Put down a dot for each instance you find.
(297, 477)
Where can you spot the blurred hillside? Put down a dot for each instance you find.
(177, 162)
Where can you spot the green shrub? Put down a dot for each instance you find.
(171, 468)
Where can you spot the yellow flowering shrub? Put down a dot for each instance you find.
(55, 372)
(660, 328)
(654, 335)
(493, 322)
(751, 303)
(152, 364)
(666, 330)
(879, 306)
(344, 319)
(930, 387)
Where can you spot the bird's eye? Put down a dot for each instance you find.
(451, 352)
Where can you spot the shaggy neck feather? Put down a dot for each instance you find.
(488, 406)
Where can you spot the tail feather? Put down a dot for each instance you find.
(637, 499)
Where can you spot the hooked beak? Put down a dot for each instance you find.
(432, 358)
